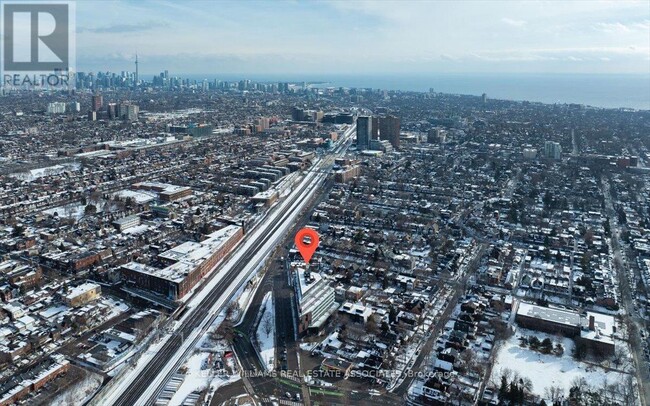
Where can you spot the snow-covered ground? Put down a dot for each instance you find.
(309, 346)
(34, 174)
(198, 377)
(265, 333)
(243, 297)
(199, 373)
(74, 210)
(546, 370)
(117, 307)
(80, 392)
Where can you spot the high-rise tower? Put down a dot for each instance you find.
(364, 132)
(389, 129)
(136, 70)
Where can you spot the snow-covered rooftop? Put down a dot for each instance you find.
(186, 256)
(545, 313)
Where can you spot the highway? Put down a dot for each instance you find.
(143, 383)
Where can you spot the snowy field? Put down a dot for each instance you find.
(198, 377)
(34, 174)
(546, 370)
(266, 332)
(72, 211)
(81, 392)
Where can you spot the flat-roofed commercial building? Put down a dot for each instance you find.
(166, 192)
(598, 333)
(82, 294)
(595, 330)
(186, 264)
(357, 312)
(127, 222)
(548, 320)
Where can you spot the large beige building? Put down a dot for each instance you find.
(83, 294)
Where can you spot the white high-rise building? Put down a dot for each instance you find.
(56, 108)
(552, 150)
(530, 153)
(314, 300)
(132, 112)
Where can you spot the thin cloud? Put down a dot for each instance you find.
(125, 28)
(621, 28)
(447, 57)
(513, 23)
(441, 35)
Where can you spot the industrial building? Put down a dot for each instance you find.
(595, 330)
(166, 192)
(186, 264)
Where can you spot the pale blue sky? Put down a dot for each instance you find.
(352, 37)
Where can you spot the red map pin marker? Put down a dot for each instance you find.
(307, 249)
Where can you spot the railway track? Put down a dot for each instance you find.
(200, 316)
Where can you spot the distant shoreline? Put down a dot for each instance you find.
(630, 91)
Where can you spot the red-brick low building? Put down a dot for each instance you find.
(187, 264)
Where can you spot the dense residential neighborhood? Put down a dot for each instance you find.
(472, 251)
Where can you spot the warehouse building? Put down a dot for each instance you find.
(186, 264)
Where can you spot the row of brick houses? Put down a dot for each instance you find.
(17, 388)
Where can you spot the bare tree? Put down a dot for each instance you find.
(527, 384)
(506, 373)
(371, 325)
(232, 309)
(267, 324)
(627, 390)
(580, 383)
(554, 393)
(467, 359)
(225, 331)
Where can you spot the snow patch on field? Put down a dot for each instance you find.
(546, 370)
(243, 297)
(199, 377)
(266, 332)
(79, 393)
(38, 173)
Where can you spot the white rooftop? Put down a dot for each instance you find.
(81, 289)
(545, 313)
(186, 256)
